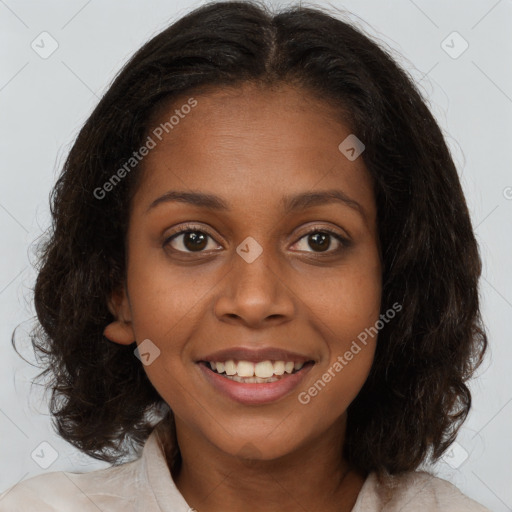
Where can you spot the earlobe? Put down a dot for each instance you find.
(120, 330)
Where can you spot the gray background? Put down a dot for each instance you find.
(44, 102)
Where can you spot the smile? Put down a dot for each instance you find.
(252, 383)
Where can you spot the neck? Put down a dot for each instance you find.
(313, 477)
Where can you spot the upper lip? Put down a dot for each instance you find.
(252, 354)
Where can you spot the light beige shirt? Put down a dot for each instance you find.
(146, 485)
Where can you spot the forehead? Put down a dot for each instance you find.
(252, 143)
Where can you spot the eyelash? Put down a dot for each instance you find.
(344, 243)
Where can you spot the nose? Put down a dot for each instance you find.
(255, 294)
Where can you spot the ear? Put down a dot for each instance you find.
(120, 330)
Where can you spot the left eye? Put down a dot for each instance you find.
(320, 240)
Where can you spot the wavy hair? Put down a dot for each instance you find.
(415, 398)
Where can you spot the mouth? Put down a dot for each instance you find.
(256, 382)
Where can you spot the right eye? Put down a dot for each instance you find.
(189, 239)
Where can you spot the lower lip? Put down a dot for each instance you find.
(253, 394)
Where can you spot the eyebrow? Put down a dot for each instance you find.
(291, 203)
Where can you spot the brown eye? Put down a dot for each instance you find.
(189, 240)
(195, 240)
(321, 241)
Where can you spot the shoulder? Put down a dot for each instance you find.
(415, 490)
(112, 489)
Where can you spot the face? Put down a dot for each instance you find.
(254, 274)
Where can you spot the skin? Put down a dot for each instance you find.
(252, 146)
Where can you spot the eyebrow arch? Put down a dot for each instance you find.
(200, 199)
(290, 203)
(318, 198)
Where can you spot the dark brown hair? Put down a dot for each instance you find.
(415, 398)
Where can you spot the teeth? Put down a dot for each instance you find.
(279, 367)
(248, 370)
(264, 369)
(288, 367)
(245, 369)
(230, 367)
(251, 380)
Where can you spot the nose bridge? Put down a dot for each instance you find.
(254, 289)
(252, 266)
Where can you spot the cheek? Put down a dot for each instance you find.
(165, 298)
(167, 304)
(344, 318)
(347, 301)
(345, 310)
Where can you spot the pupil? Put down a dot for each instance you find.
(194, 240)
(321, 239)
